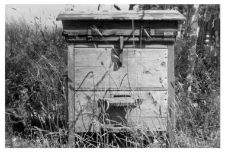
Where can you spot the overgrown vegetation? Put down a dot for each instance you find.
(36, 73)
(198, 97)
(36, 60)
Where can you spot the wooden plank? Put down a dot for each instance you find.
(122, 15)
(104, 32)
(86, 112)
(114, 32)
(91, 78)
(158, 96)
(149, 66)
(126, 89)
(69, 26)
(99, 79)
(93, 45)
(148, 123)
(134, 123)
(171, 98)
(140, 68)
(70, 104)
(116, 45)
(92, 57)
(128, 39)
(154, 103)
(145, 124)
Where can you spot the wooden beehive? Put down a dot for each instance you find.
(120, 69)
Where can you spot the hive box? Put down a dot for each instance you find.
(121, 69)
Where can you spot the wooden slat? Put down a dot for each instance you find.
(171, 98)
(116, 45)
(127, 39)
(114, 32)
(126, 89)
(120, 101)
(105, 32)
(71, 25)
(154, 103)
(140, 68)
(93, 45)
(71, 104)
(158, 96)
(123, 15)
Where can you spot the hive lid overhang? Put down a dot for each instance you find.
(122, 15)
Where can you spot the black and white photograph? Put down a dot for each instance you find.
(112, 75)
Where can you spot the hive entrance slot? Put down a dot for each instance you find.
(122, 95)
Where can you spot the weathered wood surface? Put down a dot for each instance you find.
(116, 45)
(144, 123)
(146, 73)
(141, 68)
(115, 32)
(123, 15)
(153, 107)
(171, 121)
(118, 24)
(149, 123)
(92, 57)
(128, 39)
(70, 104)
(110, 31)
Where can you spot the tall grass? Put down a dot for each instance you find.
(198, 96)
(36, 77)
